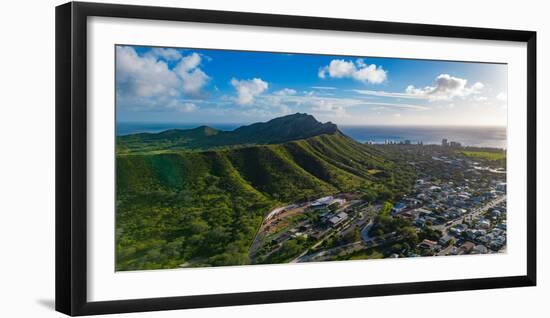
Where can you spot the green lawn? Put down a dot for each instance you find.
(488, 155)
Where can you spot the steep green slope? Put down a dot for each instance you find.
(174, 208)
(203, 208)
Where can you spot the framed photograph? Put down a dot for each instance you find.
(208, 158)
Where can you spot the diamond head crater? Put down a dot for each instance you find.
(294, 189)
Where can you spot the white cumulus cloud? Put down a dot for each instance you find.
(168, 54)
(193, 78)
(446, 87)
(188, 63)
(143, 76)
(194, 81)
(357, 70)
(147, 82)
(248, 89)
(286, 92)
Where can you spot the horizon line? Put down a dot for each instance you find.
(343, 125)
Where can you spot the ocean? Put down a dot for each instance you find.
(494, 137)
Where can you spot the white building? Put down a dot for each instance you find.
(337, 219)
(323, 201)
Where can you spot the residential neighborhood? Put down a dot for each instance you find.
(456, 206)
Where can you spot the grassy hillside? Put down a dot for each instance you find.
(196, 197)
(203, 208)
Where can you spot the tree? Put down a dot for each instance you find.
(352, 236)
(386, 209)
(409, 235)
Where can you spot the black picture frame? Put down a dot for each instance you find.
(71, 157)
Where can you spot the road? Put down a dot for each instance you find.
(351, 247)
(367, 241)
(475, 212)
(369, 212)
(352, 224)
(299, 257)
(260, 233)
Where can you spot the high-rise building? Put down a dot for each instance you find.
(444, 142)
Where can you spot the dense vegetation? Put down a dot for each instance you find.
(385, 224)
(178, 207)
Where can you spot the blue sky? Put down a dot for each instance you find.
(220, 86)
